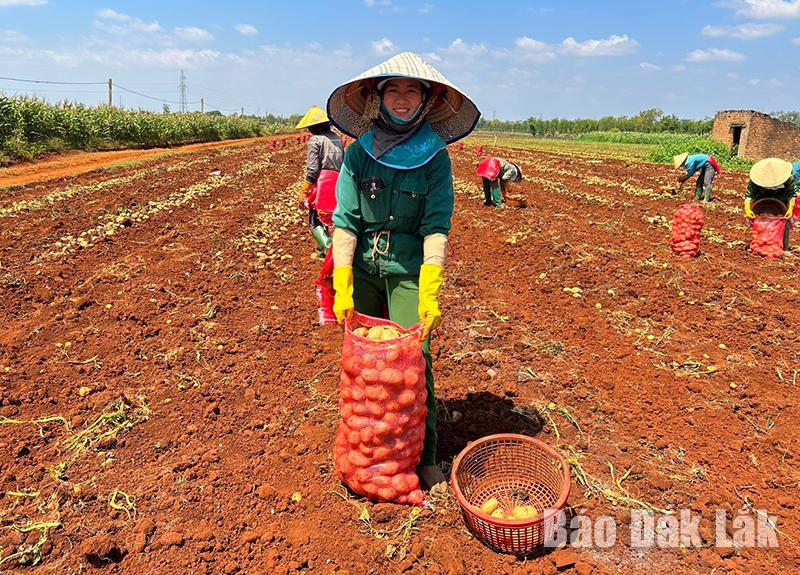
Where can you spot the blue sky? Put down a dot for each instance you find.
(515, 59)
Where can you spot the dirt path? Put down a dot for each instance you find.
(75, 163)
(177, 300)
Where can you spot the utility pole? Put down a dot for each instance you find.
(202, 106)
(182, 91)
(242, 111)
(110, 95)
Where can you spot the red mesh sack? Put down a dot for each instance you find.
(768, 236)
(382, 413)
(687, 224)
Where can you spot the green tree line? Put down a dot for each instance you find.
(652, 120)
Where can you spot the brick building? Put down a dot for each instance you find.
(757, 135)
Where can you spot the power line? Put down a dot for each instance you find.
(50, 82)
(151, 97)
(209, 105)
(183, 103)
(18, 91)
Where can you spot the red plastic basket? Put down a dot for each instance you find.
(517, 470)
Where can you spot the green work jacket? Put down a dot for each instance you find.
(390, 223)
(784, 193)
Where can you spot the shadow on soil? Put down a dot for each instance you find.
(477, 415)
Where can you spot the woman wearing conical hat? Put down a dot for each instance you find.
(395, 202)
(775, 179)
(707, 167)
(323, 162)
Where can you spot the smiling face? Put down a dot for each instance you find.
(402, 96)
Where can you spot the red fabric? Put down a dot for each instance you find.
(489, 168)
(325, 292)
(713, 161)
(325, 191)
(382, 413)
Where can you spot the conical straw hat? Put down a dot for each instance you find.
(678, 160)
(770, 172)
(314, 116)
(452, 117)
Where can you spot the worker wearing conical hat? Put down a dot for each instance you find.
(497, 175)
(775, 179)
(395, 202)
(323, 162)
(707, 167)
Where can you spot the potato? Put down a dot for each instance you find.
(375, 333)
(362, 331)
(490, 505)
(524, 512)
(390, 333)
(498, 514)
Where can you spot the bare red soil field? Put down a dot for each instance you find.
(168, 403)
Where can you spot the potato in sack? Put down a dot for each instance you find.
(382, 410)
(687, 223)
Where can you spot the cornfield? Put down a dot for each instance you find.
(30, 127)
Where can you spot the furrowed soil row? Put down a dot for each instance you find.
(192, 337)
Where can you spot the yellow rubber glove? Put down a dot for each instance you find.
(303, 193)
(790, 209)
(748, 211)
(430, 282)
(343, 300)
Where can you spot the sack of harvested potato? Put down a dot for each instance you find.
(382, 410)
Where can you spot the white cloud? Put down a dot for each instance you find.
(109, 14)
(168, 58)
(612, 46)
(746, 31)
(649, 66)
(388, 4)
(426, 8)
(733, 76)
(194, 34)
(172, 58)
(384, 47)
(774, 82)
(767, 9)
(526, 43)
(795, 40)
(246, 30)
(534, 50)
(118, 23)
(460, 48)
(679, 68)
(714, 55)
(13, 37)
(22, 2)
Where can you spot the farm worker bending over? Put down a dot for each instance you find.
(497, 175)
(323, 162)
(706, 165)
(775, 179)
(395, 203)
